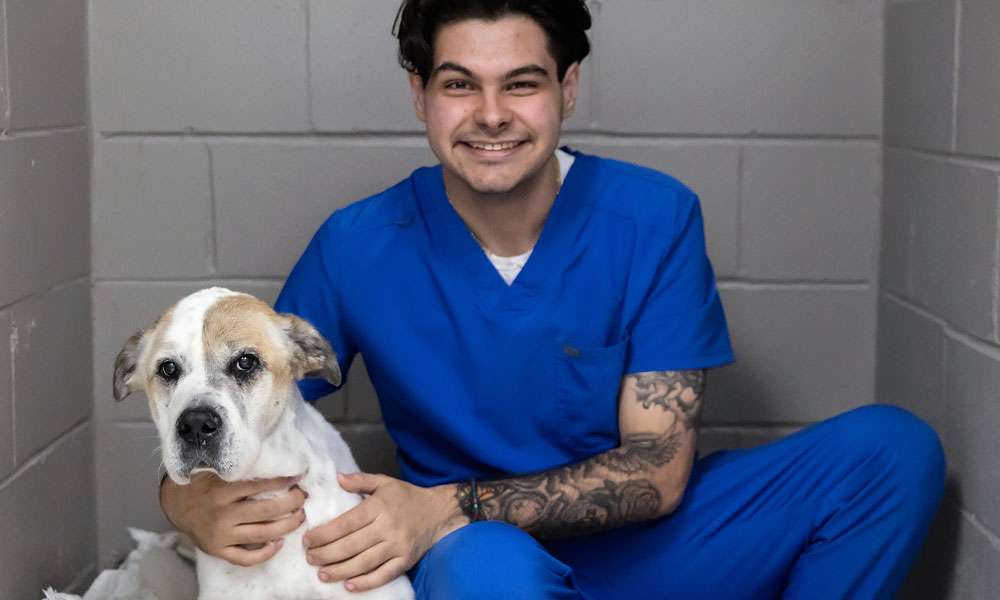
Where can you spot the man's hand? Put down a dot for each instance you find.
(381, 538)
(222, 522)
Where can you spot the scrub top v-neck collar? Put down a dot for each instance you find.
(455, 244)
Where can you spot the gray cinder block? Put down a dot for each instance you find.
(6, 397)
(271, 198)
(44, 237)
(127, 479)
(152, 210)
(911, 362)
(356, 82)
(954, 210)
(810, 212)
(711, 171)
(228, 65)
(47, 59)
(719, 67)
(979, 79)
(49, 526)
(970, 393)
(919, 74)
(52, 366)
(897, 219)
(803, 354)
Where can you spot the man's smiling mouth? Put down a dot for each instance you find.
(493, 147)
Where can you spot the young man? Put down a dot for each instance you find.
(537, 323)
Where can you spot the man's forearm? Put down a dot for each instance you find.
(603, 492)
(641, 479)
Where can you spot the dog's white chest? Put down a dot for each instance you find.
(287, 575)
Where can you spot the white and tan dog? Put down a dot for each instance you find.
(219, 369)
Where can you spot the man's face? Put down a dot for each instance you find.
(493, 104)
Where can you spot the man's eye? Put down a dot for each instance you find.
(457, 85)
(169, 370)
(523, 85)
(245, 363)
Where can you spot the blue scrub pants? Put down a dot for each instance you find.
(837, 510)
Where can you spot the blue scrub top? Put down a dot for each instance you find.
(480, 379)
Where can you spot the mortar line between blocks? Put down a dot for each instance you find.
(988, 163)
(992, 538)
(42, 455)
(987, 347)
(955, 79)
(56, 287)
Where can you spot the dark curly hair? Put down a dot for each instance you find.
(418, 21)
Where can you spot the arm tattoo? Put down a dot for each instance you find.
(605, 491)
(677, 392)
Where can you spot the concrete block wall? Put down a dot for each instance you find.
(938, 336)
(47, 502)
(226, 131)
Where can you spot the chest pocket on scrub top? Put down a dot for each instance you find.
(587, 383)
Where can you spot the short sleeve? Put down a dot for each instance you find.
(681, 324)
(310, 292)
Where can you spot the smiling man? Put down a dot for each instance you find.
(538, 323)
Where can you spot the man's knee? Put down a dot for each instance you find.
(489, 560)
(909, 447)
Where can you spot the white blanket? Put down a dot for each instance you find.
(153, 571)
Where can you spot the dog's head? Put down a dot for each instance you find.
(219, 369)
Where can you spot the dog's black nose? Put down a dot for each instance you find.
(198, 426)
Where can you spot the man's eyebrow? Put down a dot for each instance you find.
(450, 66)
(527, 70)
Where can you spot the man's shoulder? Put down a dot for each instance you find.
(382, 211)
(640, 193)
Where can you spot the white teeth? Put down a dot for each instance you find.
(494, 147)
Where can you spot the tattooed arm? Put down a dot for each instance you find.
(641, 479)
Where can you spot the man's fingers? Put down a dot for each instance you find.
(259, 511)
(389, 570)
(367, 561)
(347, 523)
(343, 549)
(265, 532)
(360, 483)
(248, 558)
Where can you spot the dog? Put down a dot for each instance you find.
(220, 371)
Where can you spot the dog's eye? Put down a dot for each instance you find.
(245, 363)
(169, 370)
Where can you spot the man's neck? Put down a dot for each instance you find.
(507, 224)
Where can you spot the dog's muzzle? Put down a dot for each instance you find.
(199, 431)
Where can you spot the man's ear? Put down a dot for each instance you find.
(312, 355)
(125, 363)
(570, 86)
(417, 92)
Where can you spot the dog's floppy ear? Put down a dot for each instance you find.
(312, 355)
(125, 367)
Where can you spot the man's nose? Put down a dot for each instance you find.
(493, 112)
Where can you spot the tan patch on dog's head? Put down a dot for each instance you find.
(243, 322)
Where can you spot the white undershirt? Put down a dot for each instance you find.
(510, 266)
